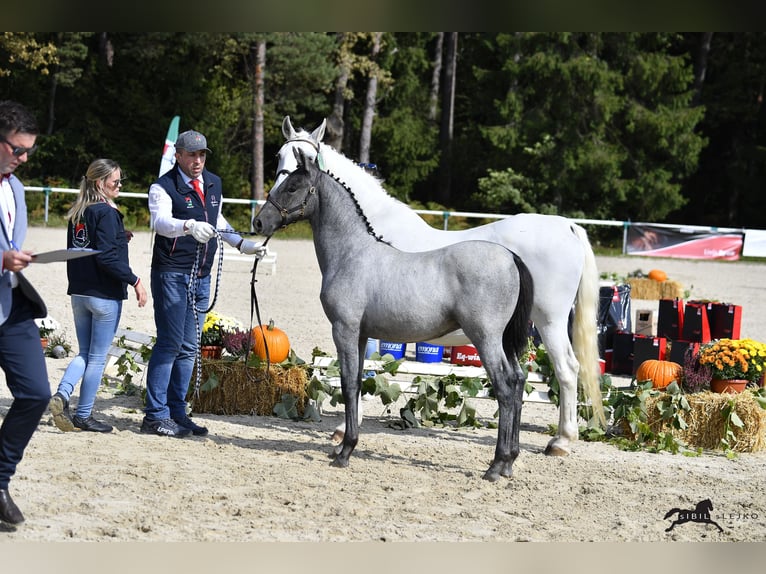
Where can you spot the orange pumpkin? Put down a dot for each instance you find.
(658, 275)
(661, 373)
(272, 337)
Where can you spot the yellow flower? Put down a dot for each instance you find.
(734, 359)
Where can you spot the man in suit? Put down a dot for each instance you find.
(21, 355)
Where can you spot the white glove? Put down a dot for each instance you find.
(249, 247)
(202, 231)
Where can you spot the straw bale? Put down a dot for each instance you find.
(706, 422)
(643, 288)
(244, 390)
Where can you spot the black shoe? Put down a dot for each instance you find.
(59, 408)
(165, 427)
(9, 512)
(186, 422)
(91, 424)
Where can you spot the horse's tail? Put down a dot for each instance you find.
(516, 332)
(671, 512)
(584, 334)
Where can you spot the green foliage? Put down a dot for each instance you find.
(629, 409)
(599, 125)
(730, 419)
(58, 339)
(128, 366)
(604, 94)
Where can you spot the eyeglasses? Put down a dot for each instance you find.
(18, 150)
(117, 182)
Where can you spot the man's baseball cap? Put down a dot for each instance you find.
(192, 141)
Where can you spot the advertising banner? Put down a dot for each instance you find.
(683, 242)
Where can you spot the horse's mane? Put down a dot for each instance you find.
(368, 190)
(359, 209)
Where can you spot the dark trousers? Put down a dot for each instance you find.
(23, 362)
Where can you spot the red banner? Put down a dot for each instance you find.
(683, 243)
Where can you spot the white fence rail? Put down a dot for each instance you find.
(256, 203)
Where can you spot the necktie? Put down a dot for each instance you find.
(198, 188)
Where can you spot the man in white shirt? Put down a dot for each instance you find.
(185, 206)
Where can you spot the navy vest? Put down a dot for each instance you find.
(177, 253)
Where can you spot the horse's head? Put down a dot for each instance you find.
(292, 199)
(308, 142)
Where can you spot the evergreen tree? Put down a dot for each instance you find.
(591, 125)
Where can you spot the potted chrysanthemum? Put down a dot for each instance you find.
(213, 331)
(734, 363)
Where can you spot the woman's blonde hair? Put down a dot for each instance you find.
(90, 193)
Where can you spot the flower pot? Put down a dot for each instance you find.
(44, 342)
(211, 351)
(732, 386)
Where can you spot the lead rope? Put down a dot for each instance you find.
(191, 297)
(254, 307)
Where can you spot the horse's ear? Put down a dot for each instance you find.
(301, 158)
(318, 133)
(287, 129)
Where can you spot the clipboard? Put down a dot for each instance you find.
(62, 255)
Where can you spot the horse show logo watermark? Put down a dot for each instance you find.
(702, 513)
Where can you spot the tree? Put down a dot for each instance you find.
(405, 141)
(335, 123)
(370, 100)
(23, 51)
(258, 97)
(435, 83)
(447, 123)
(67, 70)
(731, 170)
(596, 125)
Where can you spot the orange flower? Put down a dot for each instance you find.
(734, 358)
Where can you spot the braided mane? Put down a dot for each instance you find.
(359, 209)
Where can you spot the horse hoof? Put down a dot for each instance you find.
(336, 450)
(338, 463)
(498, 471)
(337, 437)
(556, 449)
(491, 476)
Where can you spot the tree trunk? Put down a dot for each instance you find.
(437, 72)
(369, 103)
(444, 192)
(700, 66)
(334, 129)
(52, 104)
(260, 65)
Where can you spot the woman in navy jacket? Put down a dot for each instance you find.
(97, 286)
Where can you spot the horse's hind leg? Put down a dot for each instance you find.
(508, 384)
(672, 526)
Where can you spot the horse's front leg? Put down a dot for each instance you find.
(340, 430)
(509, 390)
(351, 364)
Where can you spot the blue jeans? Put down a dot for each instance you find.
(95, 323)
(172, 361)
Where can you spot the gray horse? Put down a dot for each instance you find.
(371, 289)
